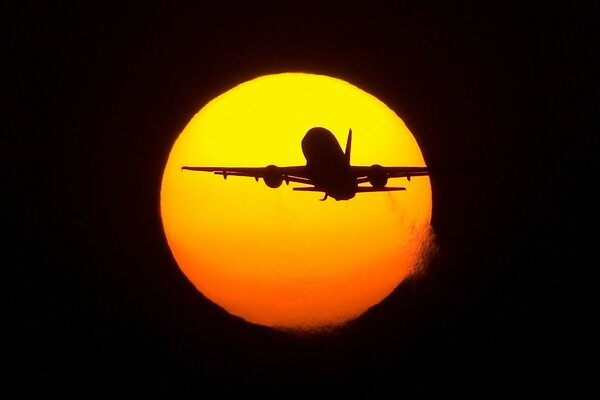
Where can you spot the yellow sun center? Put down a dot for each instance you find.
(278, 257)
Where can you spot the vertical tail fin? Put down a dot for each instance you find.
(348, 146)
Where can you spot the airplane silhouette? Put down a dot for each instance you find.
(327, 170)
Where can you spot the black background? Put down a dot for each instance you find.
(96, 96)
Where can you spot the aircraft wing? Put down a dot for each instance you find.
(363, 172)
(288, 174)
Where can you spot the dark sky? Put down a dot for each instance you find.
(96, 97)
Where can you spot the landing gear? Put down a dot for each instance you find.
(325, 197)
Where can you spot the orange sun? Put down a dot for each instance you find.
(281, 258)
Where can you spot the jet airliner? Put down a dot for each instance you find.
(327, 170)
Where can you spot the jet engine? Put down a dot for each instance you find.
(377, 176)
(273, 176)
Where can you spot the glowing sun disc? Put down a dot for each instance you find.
(277, 257)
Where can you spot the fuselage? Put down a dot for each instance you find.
(327, 165)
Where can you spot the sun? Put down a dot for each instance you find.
(281, 258)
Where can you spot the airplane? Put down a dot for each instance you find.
(327, 170)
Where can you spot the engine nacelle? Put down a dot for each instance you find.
(273, 176)
(377, 176)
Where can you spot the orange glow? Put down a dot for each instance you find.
(281, 258)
